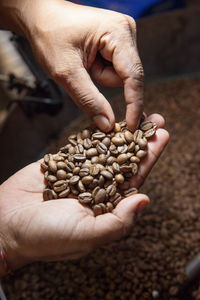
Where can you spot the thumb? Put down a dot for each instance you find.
(113, 226)
(78, 84)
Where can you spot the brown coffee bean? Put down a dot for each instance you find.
(71, 150)
(87, 179)
(125, 185)
(49, 195)
(106, 141)
(91, 152)
(103, 206)
(101, 181)
(94, 192)
(130, 191)
(46, 158)
(85, 198)
(111, 160)
(101, 148)
(86, 133)
(81, 187)
(117, 141)
(61, 165)
(128, 136)
(64, 193)
(43, 166)
(94, 184)
(117, 127)
(52, 166)
(111, 190)
(113, 149)
(72, 141)
(58, 158)
(115, 167)
(76, 170)
(149, 133)
(100, 196)
(61, 174)
(134, 159)
(138, 134)
(142, 143)
(110, 169)
(87, 143)
(119, 178)
(79, 157)
(137, 148)
(107, 174)
(109, 207)
(146, 125)
(131, 147)
(141, 153)
(134, 168)
(115, 199)
(94, 170)
(125, 168)
(98, 135)
(71, 157)
(69, 175)
(60, 188)
(94, 159)
(101, 167)
(102, 159)
(79, 149)
(74, 179)
(97, 209)
(122, 158)
(59, 183)
(51, 178)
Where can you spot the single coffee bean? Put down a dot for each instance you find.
(122, 124)
(61, 174)
(85, 197)
(49, 195)
(76, 170)
(61, 165)
(64, 193)
(74, 179)
(146, 125)
(95, 142)
(92, 152)
(131, 147)
(109, 207)
(134, 159)
(119, 178)
(97, 209)
(87, 179)
(125, 185)
(137, 148)
(101, 167)
(46, 174)
(106, 141)
(94, 192)
(130, 191)
(111, 160)
(117, 141)
(119, 199)
(100, 196)
(86, 133)
(102, 158)
(71, 157)
(101, 181)
(110, 169)
(113, 149)
(141, 153)
(46, 158)
(87, 143)
(128, 136)
(122, 149)
(134, 168)
(142, 143)
(72, 141)
(81, 187)
(74, 190)
(111, 190)
(43, 166)
(79, 149)
(94, 170)
(101, 148)
(98, 135)
(59, 183)
(122, 158)
(117, 127)
(125, 168)
(71, 150)
(60, 188)
(103, 206)
(94, 159)
(115, 167)
(107, 174)
(149, 133)
(52, 166)
(69, 175)
(79, 157)
(138, 134)
(51, 178)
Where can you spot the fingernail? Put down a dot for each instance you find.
(102, 122)
(141, 206)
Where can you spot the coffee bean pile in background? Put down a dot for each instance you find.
(148, 264)
(95, 167)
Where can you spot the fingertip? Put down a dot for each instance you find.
(158, 119)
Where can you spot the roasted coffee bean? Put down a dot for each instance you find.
(64, 193)
(46, 158)
(92, 152)
(141, 153)
(71, 150)
(101, 148)
(79, 157)
(130, 191)
(107, 183)
(61, 174)
(74, 190)
(87, 143)
(128, 136)
(146, 125)
(74, 179)
(102, 159)
(124, 186)
(79, 149)
(142, 143)
(106, 141)
(109, 207)
(111, 160)
(122, 158)
(76, 170)
(72, 141)
(43, 166)
(138, 134)
(86, 133)
(60, 188)
(94, 159)
(101, 181)
(52, 166)
(94, 170)
(111, 190)
(97, 209)
(110, 169)
(134, 159)
(107, 174)
(48, 194)
(116, 198)
(61, 165)
(69, 175)
(117, 127)
(117, 141)
(87, 179)
(81, 187)
(115, 167)
(71, 157)
(84, 172)
(94, 192)
(131, 147)
(59, 183)
(95, 142)
(101, 167)
(113, 149)
(98, 135)
(137, 148)
(149, 133)
(85, 197)
(51, 178)
(122, 149)
(100, 196)
(125, 168)
(134, 168)
(119, 178)
(103, 206)
(94, 184)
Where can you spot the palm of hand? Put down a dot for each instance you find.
(63, 229)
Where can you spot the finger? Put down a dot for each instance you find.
(112, 226)
(82, 90)
(127, 64)
(156, 118)
(155, 147)
(105, 75)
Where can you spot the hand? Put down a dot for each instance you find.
(34, 230)
(75, 44)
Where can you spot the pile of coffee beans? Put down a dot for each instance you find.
(95, 167)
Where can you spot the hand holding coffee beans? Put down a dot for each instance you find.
(95, 167)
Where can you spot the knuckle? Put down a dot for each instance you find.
(137, 72)
(132, 22)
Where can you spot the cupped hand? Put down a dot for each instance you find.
(34, 230)
(77, 44)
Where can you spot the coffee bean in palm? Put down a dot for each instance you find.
(61, 174)
(87, 143)
(64, 193)
(111, 160)
(44, 166)
(106, 141)
(149, 133)
(51, 178)
(138, 134)
(85, 197)
(103, 206)
(110, 169)
(117, 141)
(87, 179)
(101, 181)
(115, 167)
(91, 152)
(79, 157)
(74, 179)
(97, 209)
(130, 191)
(94, 170)
(141, 153)
(101, 148)
(122, 158)
(137, 148)
(60, 188)
(109, 207)
(52, 166)
(125, 185)
(142, 143)
(61, 165)
(125, 168)
(134, 159)
(58, 158)
(106, 174)
(48, 194)
(100, 196)
(117, 127)
(146, 125)
(81, 187)
(76, 170)
(46, 158)
(134, 169)
(128, 136)
(111, 190)
(102, 159)
(119, 178)
(84, 172)
(131, 147)
(71, 150)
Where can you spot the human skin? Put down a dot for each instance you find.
(35, 230)
(77, 46)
